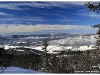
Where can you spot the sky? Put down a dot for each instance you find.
(34, 17)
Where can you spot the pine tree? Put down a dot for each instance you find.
(98, 40)
(96, 8)
(44, 57)
(93, 7)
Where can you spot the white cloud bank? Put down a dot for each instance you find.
(39, 27)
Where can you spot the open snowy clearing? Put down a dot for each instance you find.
(18, 70)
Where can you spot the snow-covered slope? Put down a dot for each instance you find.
(16, 70)
(76, 43)
(55, 48)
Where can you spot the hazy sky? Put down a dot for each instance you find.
(42, 17)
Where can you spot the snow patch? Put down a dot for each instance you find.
(17, 70)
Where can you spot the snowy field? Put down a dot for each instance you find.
(54, 48)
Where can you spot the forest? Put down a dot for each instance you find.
(64, 62)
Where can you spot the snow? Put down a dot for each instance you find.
(9, 47)
(17, 70)
(51, 47)
(68, 47)
(69, 43)
(21, 42)
(82, 48)
(54, 48)
(20, 50)
(6, 47)
(37, 47)
(35, 37)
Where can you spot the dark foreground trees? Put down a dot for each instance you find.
(93, 6)
(96, 8)
(57, 63)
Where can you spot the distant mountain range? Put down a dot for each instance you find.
(56, 42)
(36, 39)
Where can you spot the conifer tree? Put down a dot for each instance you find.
(96, 8)
(98, 39)
(44, 57)
(93, 7)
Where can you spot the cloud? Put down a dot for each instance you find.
(60, 15)
(94, 15)
(13, 6)
(11, 28)
(23, 19)
(64, 20)
(18, 5)
(78, 2)
(87, 13)
(60, 4)
(5, 14)
(43, 4)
